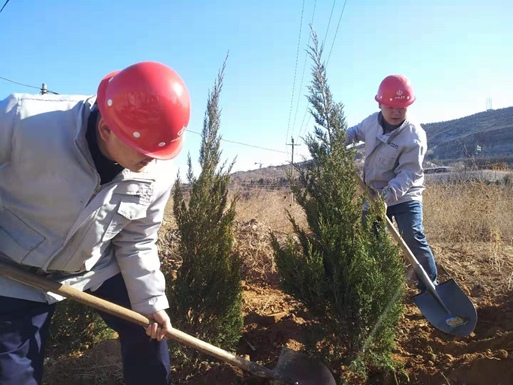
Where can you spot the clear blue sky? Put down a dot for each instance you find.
(457, 53)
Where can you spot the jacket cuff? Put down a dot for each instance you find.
(152, 305)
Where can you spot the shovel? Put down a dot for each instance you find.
(444, 305)
(293, 368)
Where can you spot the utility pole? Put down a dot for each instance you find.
(44, 90)
(293, 145)
(292, 164)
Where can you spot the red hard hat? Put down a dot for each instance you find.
(146, 105)
(395, 91)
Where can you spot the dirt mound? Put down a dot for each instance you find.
(100, 365)
(484, 357)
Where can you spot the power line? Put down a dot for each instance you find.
(27, 85)
(246, 144)
(304, 68)
(295, 69)
(336, 32)
(322, 44)
(329, 22)
(4, 6)
(304, 116)
(332, 44)
(21, 84)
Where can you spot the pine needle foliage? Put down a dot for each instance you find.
(206, 295)
(347, 274)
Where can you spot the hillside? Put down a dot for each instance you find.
(277, 175)
(455, 139)
(448, 142)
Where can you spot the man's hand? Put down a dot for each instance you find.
(387, 193)
(162, 324)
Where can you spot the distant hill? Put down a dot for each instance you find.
(276, 176)
(455, 139)
(448, 142)
(272, 177)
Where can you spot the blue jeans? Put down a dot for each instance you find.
(408, 216)
(24, 330)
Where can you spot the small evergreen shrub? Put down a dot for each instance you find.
(206, 296)
(348, 274)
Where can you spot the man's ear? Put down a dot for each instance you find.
(104, 130)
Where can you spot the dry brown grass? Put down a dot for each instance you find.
(459, 213)
(269, 209)
(259, 211)
(463, 213)
(469, 212)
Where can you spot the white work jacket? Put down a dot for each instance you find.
(393, 159)
(56, 218)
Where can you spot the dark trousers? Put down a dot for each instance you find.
(24, 329)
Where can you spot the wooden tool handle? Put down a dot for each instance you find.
(34, 280)
(404, 247)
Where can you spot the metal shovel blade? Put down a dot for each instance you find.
(456, 302)
(303, 370)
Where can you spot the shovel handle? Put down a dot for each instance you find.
(37, 281)
(407, 252)
(404, 247)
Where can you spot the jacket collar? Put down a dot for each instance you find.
(80, 138)
(386, 137)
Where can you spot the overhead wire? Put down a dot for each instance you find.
(304, 68)
(246, 144)
(329, 22)
(191, 131)
(329, 56)
(4, 6)
(194, 132)
(295, 70)
(303, 128)
(336, 32)
(21, 84)
(27, 85)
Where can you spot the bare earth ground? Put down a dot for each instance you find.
(272, 320)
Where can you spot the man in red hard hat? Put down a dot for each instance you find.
(394, 151)
(83, 187)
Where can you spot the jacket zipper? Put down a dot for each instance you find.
(98, 180)
(95, 192)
